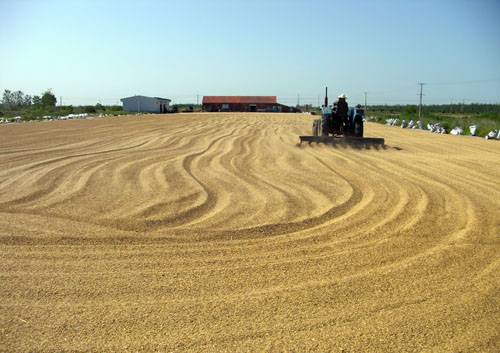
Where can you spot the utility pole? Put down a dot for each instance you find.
(197, 99)
(420, 105)
(365, 100)
(60, 101)
(298, 100)
(318, 101)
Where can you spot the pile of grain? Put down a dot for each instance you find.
(215, 232)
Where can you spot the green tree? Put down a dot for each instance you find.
(410, 109)
(18, 98)
(7, 99)
(27, 100)
(37, 100)
(48, 99)
(89, 109)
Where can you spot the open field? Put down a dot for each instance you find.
(215, 232)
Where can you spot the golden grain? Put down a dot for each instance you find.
(215, 232)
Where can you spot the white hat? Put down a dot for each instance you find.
(342, 96)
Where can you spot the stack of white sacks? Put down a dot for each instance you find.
(392, 121)
(457, 131)
(438, 129)
(492, 135)
(410, 125)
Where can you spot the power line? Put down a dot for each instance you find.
(420, 105)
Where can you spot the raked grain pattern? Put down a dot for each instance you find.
(216, 233)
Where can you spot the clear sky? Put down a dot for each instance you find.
(103, 50)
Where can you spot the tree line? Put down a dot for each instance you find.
(17, 103)
(17, 100)
(472, 108)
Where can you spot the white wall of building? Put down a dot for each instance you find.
(145, 104)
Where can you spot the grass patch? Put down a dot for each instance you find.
(485, 121)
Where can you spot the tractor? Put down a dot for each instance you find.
(340, 125)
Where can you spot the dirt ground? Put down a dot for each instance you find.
(217, 233)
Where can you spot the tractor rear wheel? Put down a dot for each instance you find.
(325, 126)
(316, 128)
(358, 128)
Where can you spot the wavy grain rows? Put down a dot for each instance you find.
(216, 232)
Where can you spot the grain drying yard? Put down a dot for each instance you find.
(216, 233)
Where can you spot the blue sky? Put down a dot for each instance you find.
(89, 51)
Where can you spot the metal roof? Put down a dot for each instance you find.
(239, 100)
(136, 96)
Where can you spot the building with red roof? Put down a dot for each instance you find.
(244, 104)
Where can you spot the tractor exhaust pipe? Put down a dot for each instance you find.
(326, 96)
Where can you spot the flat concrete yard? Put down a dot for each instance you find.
(217, 233)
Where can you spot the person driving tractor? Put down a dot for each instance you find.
(339, 115)
(342, 109)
